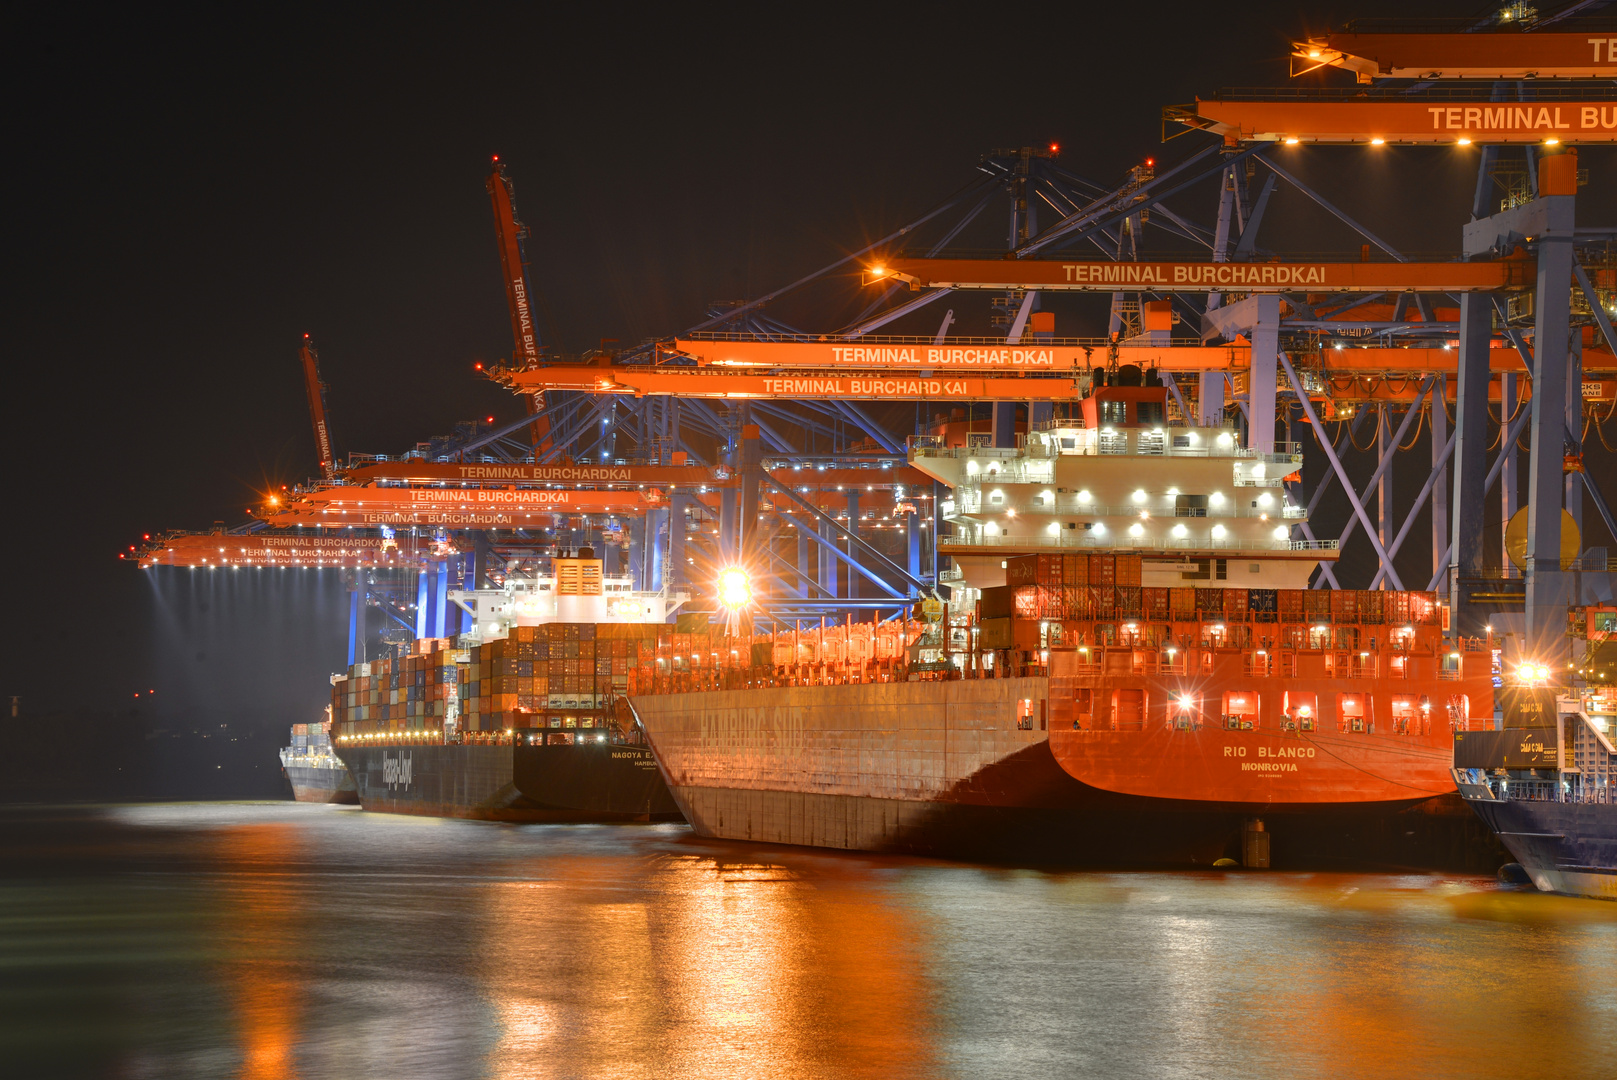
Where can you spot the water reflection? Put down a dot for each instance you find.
(260, 933)
(280, 940)
(692, 965)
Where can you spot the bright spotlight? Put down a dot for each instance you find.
(735, 587)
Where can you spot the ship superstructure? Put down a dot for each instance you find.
(1191, 501)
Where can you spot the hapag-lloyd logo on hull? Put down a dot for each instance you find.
(396, 770)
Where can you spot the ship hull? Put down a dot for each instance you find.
(318, 785)
(579, 783)
(1565, 847)
(600, 782)
(961, 770)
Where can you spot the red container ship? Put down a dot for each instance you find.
(1131, 670)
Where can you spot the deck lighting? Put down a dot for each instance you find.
(1218, 532)
(1084, 496)
(1281, 532)
(1136, 529)
(1054, 528)
(1531, 673)
(1180, 532)
(1463, 141)
(1099, 529)
(1377, 141)
(1291, 140)
(1225, 439)
(1139, 496)
(1216, 499)
(1552, 141)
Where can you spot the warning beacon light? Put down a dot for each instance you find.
(735, 587)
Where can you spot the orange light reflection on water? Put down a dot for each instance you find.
(722, 969)
(262, 928)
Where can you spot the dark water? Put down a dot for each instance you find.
(266, 940)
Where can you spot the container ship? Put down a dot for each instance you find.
(1546, 783)
(1130, 669)
(521, 719)
(315, 773)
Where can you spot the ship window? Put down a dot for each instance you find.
(1241, 710)
(555, 721)
(1411, 715)
(1301, 709)
(1128, 709)
(1184, 712)
(1148, 412)
(1190, 506)
(1114, 412)
(1354, 710)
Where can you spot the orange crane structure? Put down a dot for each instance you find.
(1375, 55)
(317, 408)
(509, 233)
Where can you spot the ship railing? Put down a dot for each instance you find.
(1151, 663)
(970, 499)
(1090, 442)
(1142, 543)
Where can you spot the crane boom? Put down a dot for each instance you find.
(1107, 276)
(509, 233)
(317, 408)
(1509, 55)
(1454, 116)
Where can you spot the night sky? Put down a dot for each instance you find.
(190, 195)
